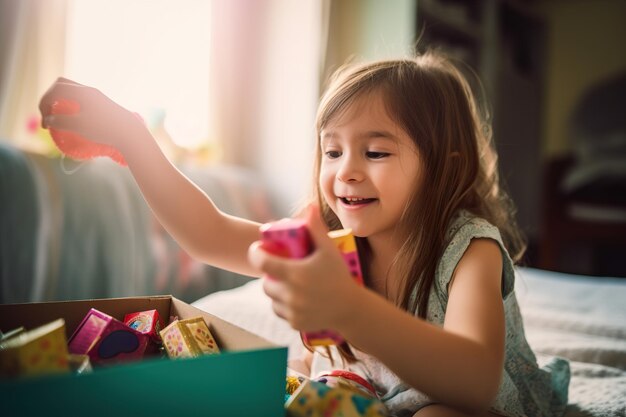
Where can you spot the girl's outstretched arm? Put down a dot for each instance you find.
(188, 214)
(459, 365)
(185, 211)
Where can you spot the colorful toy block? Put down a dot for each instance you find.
(146, 322)
(288, 238)
(107, 340)
(39, 351)
(344, 239)
(188, 338)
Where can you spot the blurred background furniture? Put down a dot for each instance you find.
(79, 232)
(543, 90)
(503, 42)
(584, 226)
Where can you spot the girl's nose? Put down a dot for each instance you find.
(350, 171)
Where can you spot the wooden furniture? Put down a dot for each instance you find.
(576, 227)
(504, 42)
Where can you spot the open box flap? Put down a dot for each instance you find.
(227, 335)
(31, 315)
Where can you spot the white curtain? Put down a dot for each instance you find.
(266, 62)
(32, 53)
(265, 81)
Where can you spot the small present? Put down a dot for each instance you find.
(314, 399)
(188, 338)
(146, 322)
(107, 340)
(38, 351)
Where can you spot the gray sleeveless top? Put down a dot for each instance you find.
(525, 389)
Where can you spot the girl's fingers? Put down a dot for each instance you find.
(58, 91)
(276, 266)
(274, 289)
(278, 292)
(317, 227)
(280, 310)
(45, 107)
(67, 81)
(62, 122)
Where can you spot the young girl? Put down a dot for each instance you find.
(405, 161)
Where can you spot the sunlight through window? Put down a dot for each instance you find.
(152, 57)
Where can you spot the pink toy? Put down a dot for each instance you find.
(107, 340)
(290, 238)
(76, 146)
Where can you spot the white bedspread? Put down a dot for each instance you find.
(580, 318)
(584, 320)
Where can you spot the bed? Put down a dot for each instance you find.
(580, 318)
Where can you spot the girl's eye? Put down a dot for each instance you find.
(377, 155)
(333, 154)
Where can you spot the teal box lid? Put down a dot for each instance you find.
(247, 378)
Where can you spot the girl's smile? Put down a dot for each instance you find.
(355, 203)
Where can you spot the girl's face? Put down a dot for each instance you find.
(370, 168)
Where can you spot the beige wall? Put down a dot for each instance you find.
(364, 30)
(586, 43)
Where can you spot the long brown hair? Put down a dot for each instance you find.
(431, 99)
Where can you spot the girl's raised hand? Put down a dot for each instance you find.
(98, 119)
(310, 293)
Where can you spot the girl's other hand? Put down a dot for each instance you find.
(99, 119)
(313, 293)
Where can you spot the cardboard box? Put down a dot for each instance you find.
(246, 379)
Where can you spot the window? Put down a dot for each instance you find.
(151, 56)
